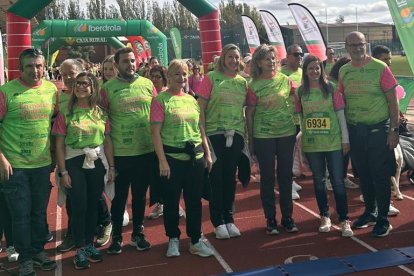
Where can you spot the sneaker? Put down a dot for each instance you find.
(221, 232)
(296, 186)
(140, 243)
(181, 211)
(67, 244)
(157, 211)
(295, 194)
(361, 198)
(12, 255)
(81, 261)
(233, 231)
(271, 227)
(93, 254)
(349, 184)
(346, 230)
(125, 221)
(382, 228)
(42, 261)
(49, 237)
(26, 268)
(104, 235)
(289, 225)
(326, 224)
(329, 184)
(201, 249)
(393, 211)
(115, 247)
(364, 221)
(173, 248)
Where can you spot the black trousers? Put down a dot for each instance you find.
(5, 222)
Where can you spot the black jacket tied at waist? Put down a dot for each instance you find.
(189, 149)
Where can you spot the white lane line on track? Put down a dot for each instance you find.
(135, 267)
(288, 246)
(364, 244)
(218, 257)
(409, 197)
(58, 257)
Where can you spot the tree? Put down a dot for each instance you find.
(97, 9)
(84, 52)
(74, 11)
(55, 10)
(340, 19)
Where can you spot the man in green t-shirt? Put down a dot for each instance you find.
(26, 108)
(372, 115)
(293, 67)
(330, 60)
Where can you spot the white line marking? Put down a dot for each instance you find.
(409, 197)
(58, 257)
(135, 267)
(218, 257)
(288, 246)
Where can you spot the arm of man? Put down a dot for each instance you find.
(5, 167)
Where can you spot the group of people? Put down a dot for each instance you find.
(128, 132)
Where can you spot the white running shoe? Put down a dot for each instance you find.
(361, 197)
(233, 230)
(12, 255)
(181, 211)
(125, 221)
(221, 232)
(328, 184)
(393, 211)
(295, 194)
(157, 211)
(326, 224)
(201, 249)
(349, 184)
(346, 230)
(296, 186)
(173, 248)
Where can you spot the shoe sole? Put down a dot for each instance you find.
(65, 249)
(364, 226)
(386, 233)
(324, 230)
(200, 254)
(139, 248)
(347, 236)
(293, 230)
(99, 244)
(38, 265)
(173, 255)
(80, 267)
(273, 232)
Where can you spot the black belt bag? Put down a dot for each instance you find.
(189, 149)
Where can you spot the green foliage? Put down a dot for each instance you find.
(84, 52)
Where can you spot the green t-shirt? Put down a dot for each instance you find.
(320, 125)
(274, 116)
(24, 139)
(295, 76)
(181, 122)
(129, 109)
(328, 68)
(225, 106)
(63, 102)
(85, 128)
(366, 103)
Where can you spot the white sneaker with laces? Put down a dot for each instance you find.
(173, 248)
(346, 229)
(393, 211)
(221, 232)
(125, 221)
(326, 224)
(233, 230)
(349, 184)
(157, 211)
(201, 249)
(12, 255)
(296, 186)
(295, 194)
(181, 211)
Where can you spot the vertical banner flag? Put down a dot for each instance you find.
(309, 29)
(176, 42)
(135, 44)
(54, 56)
(274, 33)
(252, 36)
(402, 12)
(1, 61)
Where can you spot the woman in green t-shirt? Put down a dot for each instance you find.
(325, 140)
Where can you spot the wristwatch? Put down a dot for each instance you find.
(61, 174)
(394, 129)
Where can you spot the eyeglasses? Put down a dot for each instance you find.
(156, 77)
(357, 45)
(83, 84)
(297, 54)
(331, 53)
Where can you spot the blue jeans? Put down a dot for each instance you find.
(27, 196)
(318, 162)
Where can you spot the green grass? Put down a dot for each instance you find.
(400, 66)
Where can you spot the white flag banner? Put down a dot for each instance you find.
(252, 35)
(309, 29)
(274, 33)
(1, 61)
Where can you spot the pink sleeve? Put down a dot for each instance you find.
(292, 86)
(388, 80)
(104, 99)
(107, 127)
(154, 92)
(251, 99)
(205, 88)
(59, 126)
(156, 112)
(338, 101)
(3, 107)
(340, 87)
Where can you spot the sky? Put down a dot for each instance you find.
(323, 10)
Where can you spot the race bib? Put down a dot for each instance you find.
(318, 122)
